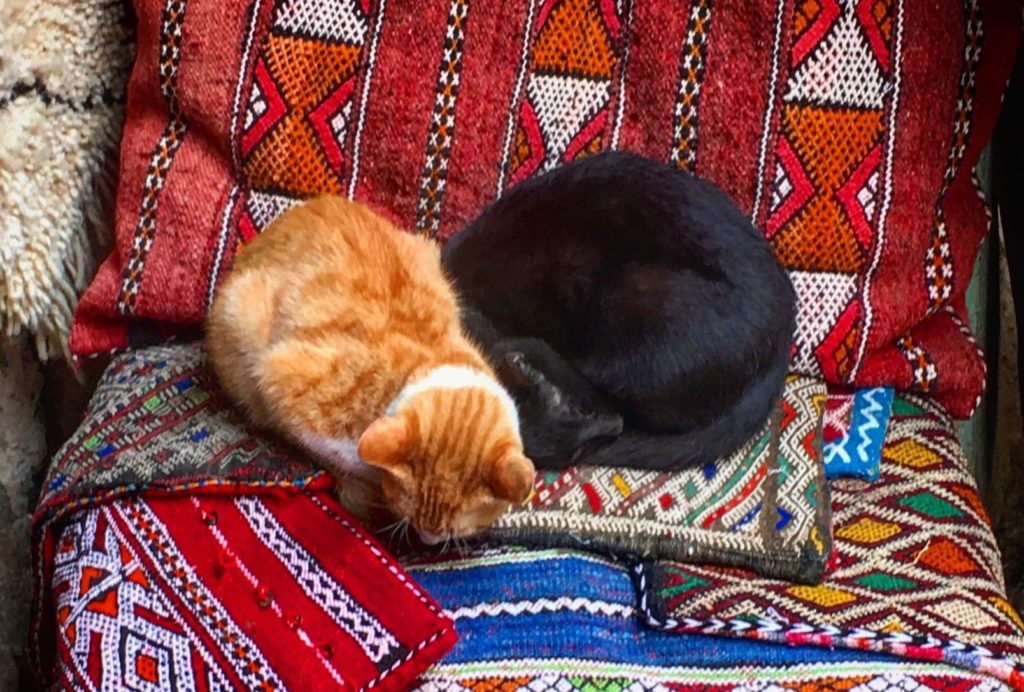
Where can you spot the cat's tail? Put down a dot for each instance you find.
(633, 449)
(717, 438)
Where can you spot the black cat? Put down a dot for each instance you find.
(634, 312)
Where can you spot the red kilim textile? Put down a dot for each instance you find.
(212, 591)
(847, 130)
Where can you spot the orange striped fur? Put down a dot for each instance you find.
(323, 320)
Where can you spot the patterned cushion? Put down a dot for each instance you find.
(764, 507)
(177, 551)
(916, 571)
(847, 130)
(159, 421)
(914, 557)
(562, 621)
(216, 591)
(854, 430)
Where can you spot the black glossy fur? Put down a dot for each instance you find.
(634, 312)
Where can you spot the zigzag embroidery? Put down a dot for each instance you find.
(868, 421)
(837, 448)
(542, 605)
(872, 422)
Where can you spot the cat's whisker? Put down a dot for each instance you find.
(393, 529)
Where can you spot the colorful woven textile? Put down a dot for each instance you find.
(217, 592)
(159, 421)
(764, 507)
(252, 579)
(847, 130)
(916, 571)
(564, 621)
(854, 431)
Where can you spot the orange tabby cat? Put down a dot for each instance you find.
(342, 333)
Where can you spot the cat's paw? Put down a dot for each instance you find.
(517, 373)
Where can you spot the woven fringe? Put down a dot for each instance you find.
(60, 127)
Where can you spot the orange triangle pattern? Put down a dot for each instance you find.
(572, 62)
(574, 40)
(830, 143)
(291, 157)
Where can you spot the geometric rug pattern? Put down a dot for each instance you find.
(763, 507)
(159, 420)
(584, 677)
(297, 131)
(566, 621)
(298, 121)
(563, 111)
(854, 431)
(827, 177)
(915, 571)
(207, 592)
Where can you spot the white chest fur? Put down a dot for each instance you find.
(340, 455)
(457, 377)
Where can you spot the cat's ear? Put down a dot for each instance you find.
(512, 477)
(384, 444)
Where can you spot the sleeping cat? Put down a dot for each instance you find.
(636, 315)
(342, 333)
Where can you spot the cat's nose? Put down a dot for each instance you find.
(429, 538)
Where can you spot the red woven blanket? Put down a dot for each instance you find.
(216, 591)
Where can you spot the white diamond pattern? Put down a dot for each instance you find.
(821, 298)
(340, 21)
(842, 71)
(564, 104)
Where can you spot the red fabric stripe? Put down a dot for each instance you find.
(399, 109)
(157, 619)
(100, 538)
(229, 587)
(97, 326)
(187, 222)
(592, 497)
(297, 609)
(365, 577)
(734, 96)
(917, 151)
(199, 665)
(179, 601)
(96, 657)
(652, 78)
(485, 91)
